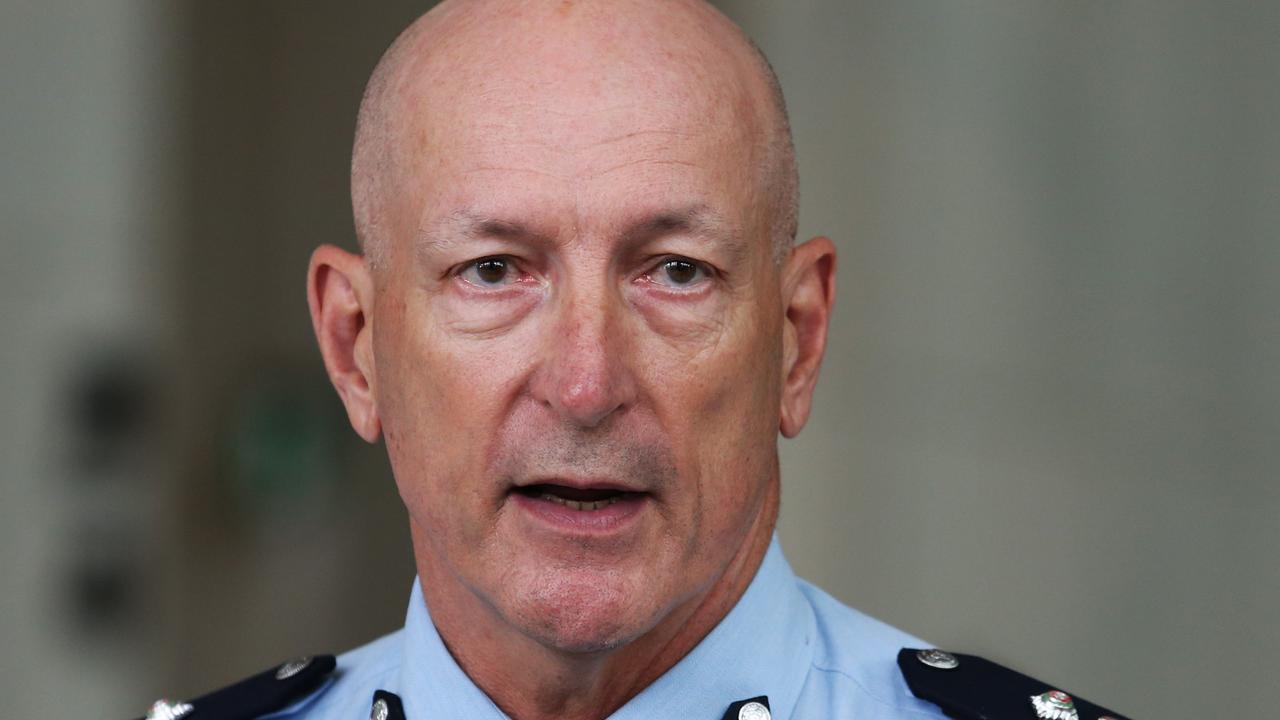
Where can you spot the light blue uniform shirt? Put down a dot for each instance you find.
(812, 656)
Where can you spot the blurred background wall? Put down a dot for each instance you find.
(1046, 431)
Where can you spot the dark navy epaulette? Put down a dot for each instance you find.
(267, 692)
(968, 687)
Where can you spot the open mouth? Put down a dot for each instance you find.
(581, 499)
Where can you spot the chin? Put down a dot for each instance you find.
(577, 611)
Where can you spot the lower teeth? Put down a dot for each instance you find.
(580, 504)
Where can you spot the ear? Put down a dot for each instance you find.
(340, 294)
(808, 293)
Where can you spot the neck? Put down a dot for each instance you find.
(530, 681)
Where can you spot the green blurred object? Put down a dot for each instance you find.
(284, 444)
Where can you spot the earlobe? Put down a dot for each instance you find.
(809, 288)
(340, 295)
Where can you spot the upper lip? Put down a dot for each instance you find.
(581, 483)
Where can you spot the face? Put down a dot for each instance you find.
(577, 349)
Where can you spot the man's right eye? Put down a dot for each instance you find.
(489, 272)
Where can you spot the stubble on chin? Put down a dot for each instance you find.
(583, 596)
(579, 612)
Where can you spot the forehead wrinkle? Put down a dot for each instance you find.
(519, 130)
(505, 169)
(644, 161)
(639, 134)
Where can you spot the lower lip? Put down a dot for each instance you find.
(608, 520)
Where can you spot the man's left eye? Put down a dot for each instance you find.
(679, 272)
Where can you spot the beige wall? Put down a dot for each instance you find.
(1047, 429)
(85, 171)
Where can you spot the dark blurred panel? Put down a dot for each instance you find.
(284, 507)
(112, 410)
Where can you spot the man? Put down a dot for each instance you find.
(579, 322)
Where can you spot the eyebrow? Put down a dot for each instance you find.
(699, 221)
(465, 225)
(693, 220)
(696, 221)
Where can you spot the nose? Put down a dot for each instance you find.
(584, 376)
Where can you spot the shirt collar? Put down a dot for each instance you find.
(762, 647)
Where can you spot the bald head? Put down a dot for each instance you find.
(521, 65)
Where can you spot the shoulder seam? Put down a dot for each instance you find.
(867, 691)
(365, 674)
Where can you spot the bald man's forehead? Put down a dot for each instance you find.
(580, 174)
(482, 93)
(579, 98)
(578, 123)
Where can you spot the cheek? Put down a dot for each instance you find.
(688, 327)
(720, 405)
(468, 312)
(438, 395)
(719, 361)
